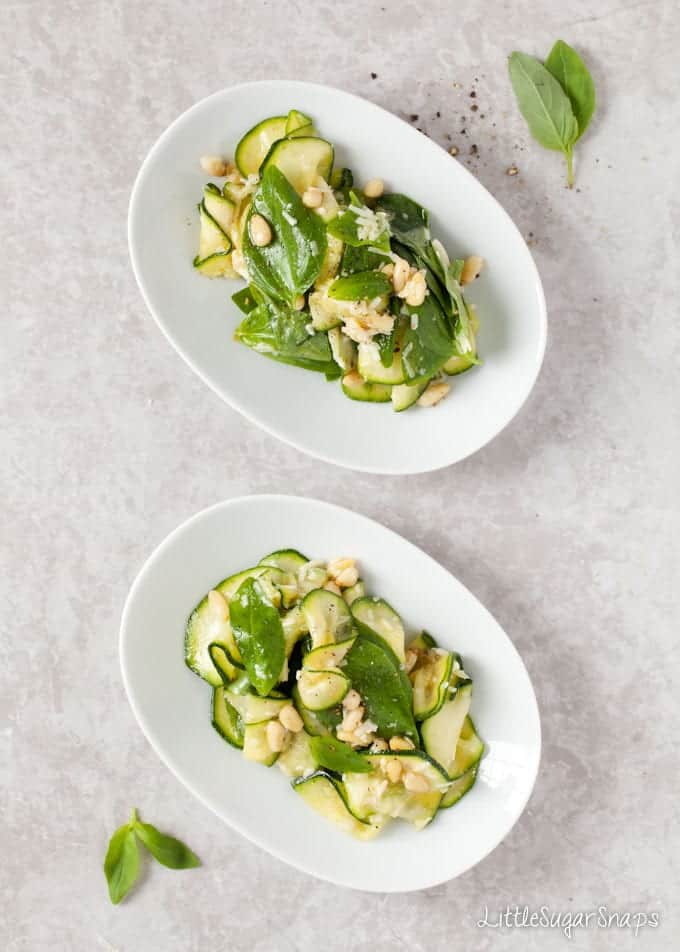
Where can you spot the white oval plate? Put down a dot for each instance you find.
(172, 705)
(297, 406)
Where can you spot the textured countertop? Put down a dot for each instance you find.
(566, 526)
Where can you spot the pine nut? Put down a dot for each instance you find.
(410, 660)
(214, 165)
(312, 197)
(237, 260)
(332, 587)
(434, 393)
(351, 700)
(400, 274)
(348, 577)
(374, 188)
(401, 743)
(394, 771)
(347, 736)
(416, 783)
(388, 270)
(378, 745)
(276, 736)
(471, 269)
(299, 302)
(352, 719)
(416, 289)
(290, 719)
(260, 231)
(218, 604)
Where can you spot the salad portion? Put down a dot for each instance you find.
(312, 674)
(342, 279)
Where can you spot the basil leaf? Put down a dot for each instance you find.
(282, 335)
(363, 285)
(361, 259)
(121, 864)
(545, 106)
(350, 227)
(385, 690)
(336, 755)
(291, 262)
(166, 849)
(244, 300)
(259, 635)
(572, 74)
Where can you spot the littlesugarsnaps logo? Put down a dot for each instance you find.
(524, 917)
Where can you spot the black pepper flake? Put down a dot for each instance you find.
(473, 94)
(474, 107)
(463, 132)
(413, 117)
(473, 149)
(438, 114)
(481, 115)
(374, 75)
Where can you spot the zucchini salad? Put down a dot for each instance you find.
(310, 673)
(343, 280)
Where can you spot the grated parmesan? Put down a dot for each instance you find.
(291, 219)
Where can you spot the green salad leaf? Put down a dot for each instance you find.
(291, 262)
(336, 755)
(545, 105)
(282, 335)
(259, 635)
(166, 849)
(362, 285)
(359, 226)
(121, 864)
(360, 258)
(572, 74)
(385, 690)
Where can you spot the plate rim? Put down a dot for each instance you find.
(232, 400)
(148, 731)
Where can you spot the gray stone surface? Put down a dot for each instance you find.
(566, 526)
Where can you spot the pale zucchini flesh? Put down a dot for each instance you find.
(257, 142)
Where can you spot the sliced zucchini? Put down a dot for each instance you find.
(372, 368)
(257, 142)
(297, 760)
(220, 208)
(254, 709)
(212, 239)
(297, 123)
(423, 642)
(312, 575)
(302, 159)
(405, 395)
(369, 794)
(325, 794)
(280, 586)
(287, 560)
(441, 732)
(356, 388)
(314, 725)
(373, 616)
(331, 261)
(217, 265)
(358, 590)
(344, 349)
(207, 626)
(328, 618)
(256, 746)
(226, 719)
(469, 750)
(327, 657)
(220, 658)
(458, 364)
(294, 626)
(320, 690)
(430, 679)
(458, 789)
(325, 312)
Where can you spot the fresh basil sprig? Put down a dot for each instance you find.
(557, 98)
(121, 864)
